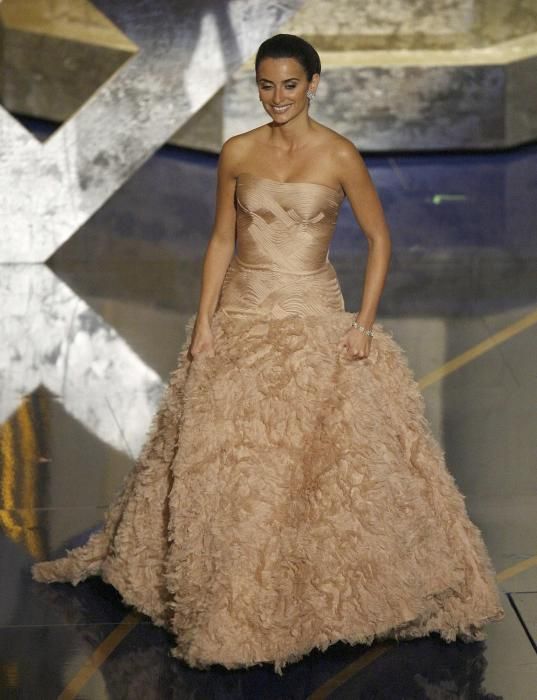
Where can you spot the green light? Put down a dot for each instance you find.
(439, 198)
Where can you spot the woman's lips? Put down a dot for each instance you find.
(280, 109)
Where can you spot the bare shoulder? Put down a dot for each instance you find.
(345, 153)
(335, 141)
(236, 150)
(348, 161)
(329, 138)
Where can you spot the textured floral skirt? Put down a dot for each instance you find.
(287, 498)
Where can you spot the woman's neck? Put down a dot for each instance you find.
(292, 135)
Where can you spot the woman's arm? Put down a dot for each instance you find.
(221, 246)
(367, 209)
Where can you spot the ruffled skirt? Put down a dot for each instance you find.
(287, 498)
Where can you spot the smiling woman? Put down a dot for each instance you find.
(287, 72)
(290, 493)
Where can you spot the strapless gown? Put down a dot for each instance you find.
(287, 498)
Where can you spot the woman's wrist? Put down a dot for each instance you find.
(366, 320)
(203, 318)
(366, 330)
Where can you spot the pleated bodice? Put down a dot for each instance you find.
(281, 265)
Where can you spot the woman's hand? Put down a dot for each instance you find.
(202, 340)
(355, 345)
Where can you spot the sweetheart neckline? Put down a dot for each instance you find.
(280, 182)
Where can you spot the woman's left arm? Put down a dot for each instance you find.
(367, 208)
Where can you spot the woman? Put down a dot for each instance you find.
(294, 147)
(290, 493)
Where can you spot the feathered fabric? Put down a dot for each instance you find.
(287, 498)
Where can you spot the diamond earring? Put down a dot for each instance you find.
(310, 95)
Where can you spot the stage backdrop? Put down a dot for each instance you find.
(122, 78)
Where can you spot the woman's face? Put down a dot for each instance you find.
(283, 84)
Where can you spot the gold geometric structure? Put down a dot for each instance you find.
(55, 55)
(52, 338)
(187, 50)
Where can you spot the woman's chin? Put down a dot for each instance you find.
(281, 118)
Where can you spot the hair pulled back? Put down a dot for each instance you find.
(290, 46)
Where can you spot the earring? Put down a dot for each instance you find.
(310, 95)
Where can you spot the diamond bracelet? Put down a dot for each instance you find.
(355, 324)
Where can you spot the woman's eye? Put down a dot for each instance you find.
(290, 86)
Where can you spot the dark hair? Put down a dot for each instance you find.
(290, 46)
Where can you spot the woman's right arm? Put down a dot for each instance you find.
(221, 246)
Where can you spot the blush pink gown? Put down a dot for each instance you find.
(287, 498)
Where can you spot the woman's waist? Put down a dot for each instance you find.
(291, 266)
(261, 288)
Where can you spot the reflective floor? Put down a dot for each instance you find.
(90, 338)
